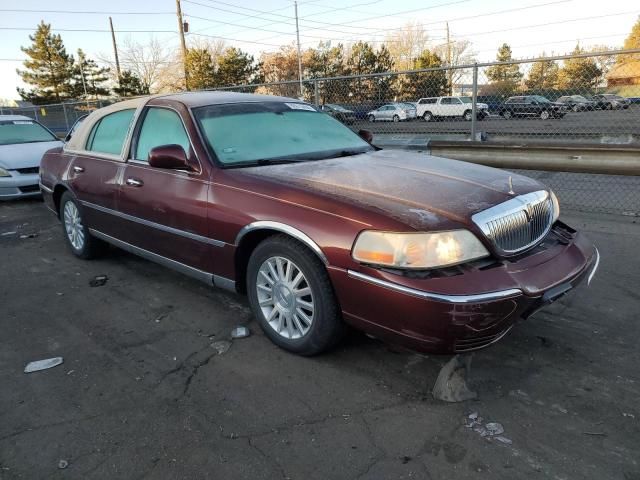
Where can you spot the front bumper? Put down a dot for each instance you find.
(19, 186)
(400, 311)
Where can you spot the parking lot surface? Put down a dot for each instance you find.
(146, 391)
(581, 126)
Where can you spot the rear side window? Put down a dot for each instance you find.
(428, 100)
(109, 134)
(160, 127)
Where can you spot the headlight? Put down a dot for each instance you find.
(556, 206)
(417, 250)
(4, 173)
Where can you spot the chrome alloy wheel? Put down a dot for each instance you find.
(73, 225)
(285, 297)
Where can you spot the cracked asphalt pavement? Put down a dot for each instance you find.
(143, 393)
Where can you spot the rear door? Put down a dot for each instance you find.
(94, 172)
(166, 210)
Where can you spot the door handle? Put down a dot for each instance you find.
(134, 183)
(78, 169)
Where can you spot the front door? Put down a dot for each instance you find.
(166, 210)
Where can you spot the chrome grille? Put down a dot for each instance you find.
(517, 224)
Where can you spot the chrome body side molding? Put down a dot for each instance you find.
(284, 228)
(158, 226)
(438, 297)
(201, 275)
(45, 188)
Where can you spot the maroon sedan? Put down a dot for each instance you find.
(267, 196)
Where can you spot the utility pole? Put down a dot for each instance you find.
(299, 55)
(449, 71)
(182, 44)
(115, 50)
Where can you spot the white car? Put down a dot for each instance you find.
(391, 112)
(23, 141)
(440, 107)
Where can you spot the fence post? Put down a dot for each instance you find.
(35, 113)
(316, 93)
(66, 119)
(474, 102)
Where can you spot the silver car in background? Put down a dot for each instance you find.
(392, 112)
(23, 141)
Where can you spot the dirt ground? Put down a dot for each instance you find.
(143, 393)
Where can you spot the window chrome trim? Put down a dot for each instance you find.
(438, 297)
(158, 226)
(284, 228)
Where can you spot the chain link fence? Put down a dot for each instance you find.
(575, 99)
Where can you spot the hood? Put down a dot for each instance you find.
(25, 155)
(419, 190)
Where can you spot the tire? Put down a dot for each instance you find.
(575, 108)
(304, 324)
(544, 115)
(507, 114)
(396, 118)
(371, 118)
(427, 116)
(467, 115)
(608, 106)
(76, 233)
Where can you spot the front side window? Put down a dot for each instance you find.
(23, 131)
(446, 101)
(244, 134)
(109, 134)
(160, 127)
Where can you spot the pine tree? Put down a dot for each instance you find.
(506, 78)
(49, 68)
(235, 67)
(130, 85)
(579, 73)
(543, 75)
(201, 69)
(429, 84)
(89, 77)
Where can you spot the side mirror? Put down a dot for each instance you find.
(366, 135)
(169, 156)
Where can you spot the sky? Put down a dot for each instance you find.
(529, 26)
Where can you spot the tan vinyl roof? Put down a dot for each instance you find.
(79, 138)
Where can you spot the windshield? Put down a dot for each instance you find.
(23, 131)
(579, 98)
(337, 108)
(465, 99)
(540, 99)
(244, 134)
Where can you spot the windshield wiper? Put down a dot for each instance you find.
(266, 161)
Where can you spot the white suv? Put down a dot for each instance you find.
(440, 107)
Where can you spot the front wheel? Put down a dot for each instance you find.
(507, 114)
(371, 118)
(292, 297)
(76, 233)
(467, 115)
(575, 108)
(544, 115)
(427, 116)
(396, 118)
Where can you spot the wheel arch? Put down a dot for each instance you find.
(251, 235)
(58, 191)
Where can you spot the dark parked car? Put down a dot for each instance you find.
(532, 106)
(340, 113)
(267, 196)
(577, 103)
(609, 101)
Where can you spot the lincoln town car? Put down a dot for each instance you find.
(268, 197)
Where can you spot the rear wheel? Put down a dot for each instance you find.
(575, 108)
(507, 114)
(291, 296)
(371, 118)
(544, 115)
(396, 118)
(76, 233)
(467, 115)
(427, 116)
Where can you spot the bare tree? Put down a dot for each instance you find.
(455, 53)
(150, 62)
(407, 45)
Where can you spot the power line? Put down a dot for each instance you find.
(89, 30)
(83, 12)
(235, 39)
